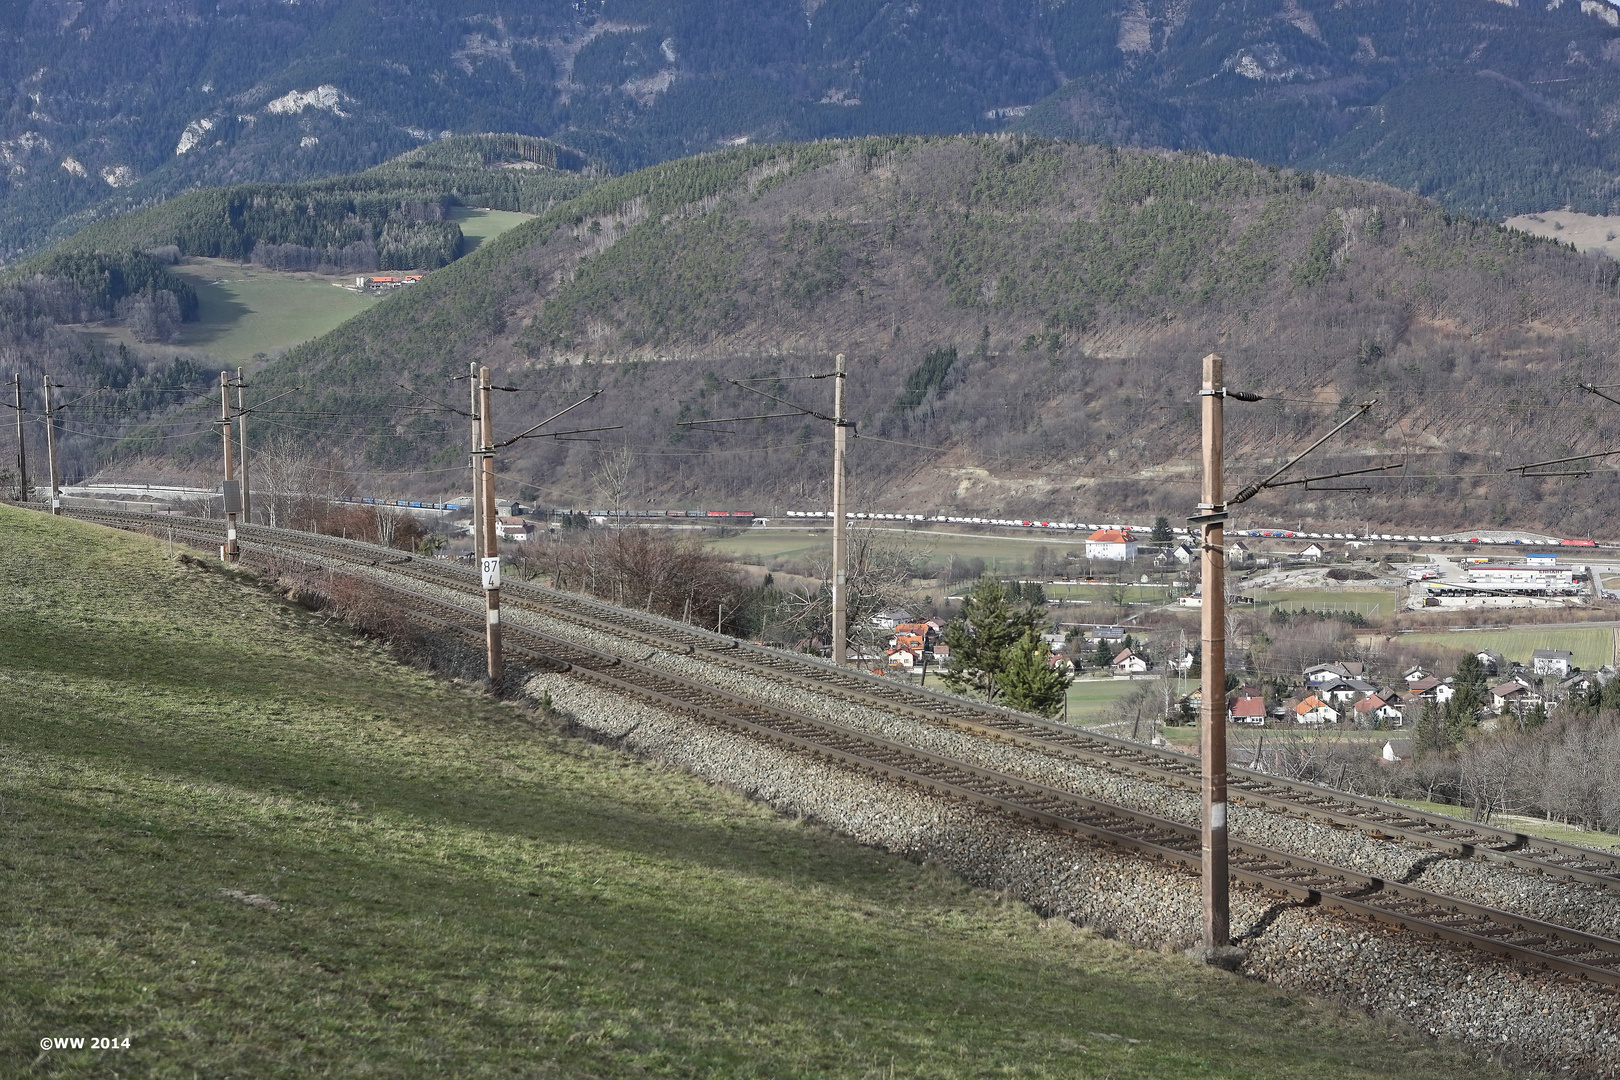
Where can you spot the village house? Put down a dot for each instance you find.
(1321, 673)
(1373, 710)
(1313, 710)
(1313, 553)
(1115, 544)
(1582, 682)
(1397, 750)
(1432, 689)
(1237, 552)
(386, 281)
(1128, 662)
(1492, 662)
(888, 620)
(1515, 695)
(513, 528)
(1415, 674)
(1340, 691)
(918, 637)
(1551, 662)
(1247, 710)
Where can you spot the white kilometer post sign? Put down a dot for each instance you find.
(492, 572)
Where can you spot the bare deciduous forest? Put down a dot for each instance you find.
(1024, 321)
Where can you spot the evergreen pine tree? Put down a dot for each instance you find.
(981, 634)
(1433, 733)
(1161, 530)
(1027, 680)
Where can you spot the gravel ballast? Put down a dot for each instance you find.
(1562, 1026)
(1549, 1021)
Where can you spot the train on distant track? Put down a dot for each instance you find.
(1283, 534)
(750, 516)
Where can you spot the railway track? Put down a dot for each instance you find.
(1381, 820)
(1485, 929)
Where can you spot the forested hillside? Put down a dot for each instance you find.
(1491, 108)
(1024, 321)
(391, 217)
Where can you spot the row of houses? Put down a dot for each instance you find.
(1341, 692)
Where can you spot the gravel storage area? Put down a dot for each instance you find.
(1561, 1026)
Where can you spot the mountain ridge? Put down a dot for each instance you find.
(1075, 287)
(106, 106)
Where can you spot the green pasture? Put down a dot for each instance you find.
(1367, 602)
(1593, 646)
(1530, 826)
(245, 309)
(480, 225)
(1090, 699)
(250, 843)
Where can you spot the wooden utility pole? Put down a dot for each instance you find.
(50, 450)
(241, 432)
(1212, 721)
(22, 441)
(477, 462)
(490, 561)
(840, 549)
(229, 490)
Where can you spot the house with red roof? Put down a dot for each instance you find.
(1115, 544)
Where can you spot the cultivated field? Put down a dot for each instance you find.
(1090, 699)
(1593, 646)
(253, 845)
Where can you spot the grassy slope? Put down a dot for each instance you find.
(478, 226)
(461, 894)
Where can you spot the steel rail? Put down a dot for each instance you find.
(1587, 956)
(1381, 820)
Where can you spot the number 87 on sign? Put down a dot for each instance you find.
(492, 572)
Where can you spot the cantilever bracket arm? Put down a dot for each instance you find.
(1590, 389)
(792, 405)
(553, 416)
(1309, 480)
(1520, 469)
(1260, 485)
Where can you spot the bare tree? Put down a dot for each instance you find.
(388, 520)
(612, 481)
(653, 570)
(878, 576)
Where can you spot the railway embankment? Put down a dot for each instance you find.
(1519, 1012)
(245, 839)
(1548, 1022)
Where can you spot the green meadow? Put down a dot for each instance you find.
(244, 310)
(251, 844)
(480, 225)
(1592, 646)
